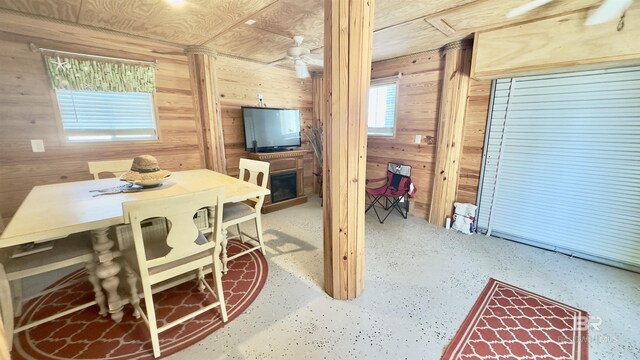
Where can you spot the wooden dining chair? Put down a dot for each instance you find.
(4, 345)
(72, 250)
(257, 173)
(115, 167)
(186, 251)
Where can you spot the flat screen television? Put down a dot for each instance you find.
(271, 129)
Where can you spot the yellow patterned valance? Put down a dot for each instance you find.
(69, 73)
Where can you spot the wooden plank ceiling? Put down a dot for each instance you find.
(401, 27)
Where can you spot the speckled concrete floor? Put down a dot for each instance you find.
(420, 283)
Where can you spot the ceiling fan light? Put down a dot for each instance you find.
(302, 71)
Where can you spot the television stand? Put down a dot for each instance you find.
(284, 165)
(269, 151)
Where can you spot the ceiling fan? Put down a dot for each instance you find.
(609, 10)
(301, 57)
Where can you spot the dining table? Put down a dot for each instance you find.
(58, 210)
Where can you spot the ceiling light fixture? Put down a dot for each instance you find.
(176, 2)
(250, 22)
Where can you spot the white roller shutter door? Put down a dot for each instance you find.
(562, 164)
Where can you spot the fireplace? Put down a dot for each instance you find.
(286, 178)
(283, 186)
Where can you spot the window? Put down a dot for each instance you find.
(382, 109)
(103, 99)
(106, 115)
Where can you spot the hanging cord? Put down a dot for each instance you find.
(621, 22)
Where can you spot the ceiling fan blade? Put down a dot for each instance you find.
(302, 71)
(315, 62)
(608, 11)
(278, 62)
(521, 10)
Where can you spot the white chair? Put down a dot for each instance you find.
(73, 250)
(4, 346)
(237, 213)
(185, 251)
(115, 167)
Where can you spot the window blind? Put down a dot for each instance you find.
(561, 164)
(382, 109)
(106, 116)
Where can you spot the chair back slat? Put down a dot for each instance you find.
(115, 167)
(254, 169)
(179, 211)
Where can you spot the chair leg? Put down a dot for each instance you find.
(17, 297)
(200, 279)
(239, 232)
(6, 307)
(225, 258)
(217, 282)
(373, 202)
(378, 215)
(394, 206)
(151, 317)
(259, 231)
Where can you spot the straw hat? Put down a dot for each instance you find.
(145, 168)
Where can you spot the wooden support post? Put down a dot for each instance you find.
(453, 105)
(347, 66)
(204, 82)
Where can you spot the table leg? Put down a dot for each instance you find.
(97, 289)
(107, 270)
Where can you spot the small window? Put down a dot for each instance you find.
(382, 109)
(102, 98)
(106, 115)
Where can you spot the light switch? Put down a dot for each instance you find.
(418, 139)
(37, 145)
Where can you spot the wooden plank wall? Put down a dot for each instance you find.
(27, 109)
(240, 82)
(419, 98)
(417, 114)
(475, 124)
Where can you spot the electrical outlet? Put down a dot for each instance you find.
(37, 145)
(418, 139)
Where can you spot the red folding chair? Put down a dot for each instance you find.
(396, 191)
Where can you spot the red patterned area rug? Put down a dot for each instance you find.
(87, 335)
(507, 322)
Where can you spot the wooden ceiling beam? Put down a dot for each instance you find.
(441, 25)
(240, 22)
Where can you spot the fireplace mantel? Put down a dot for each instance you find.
(284, 162)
